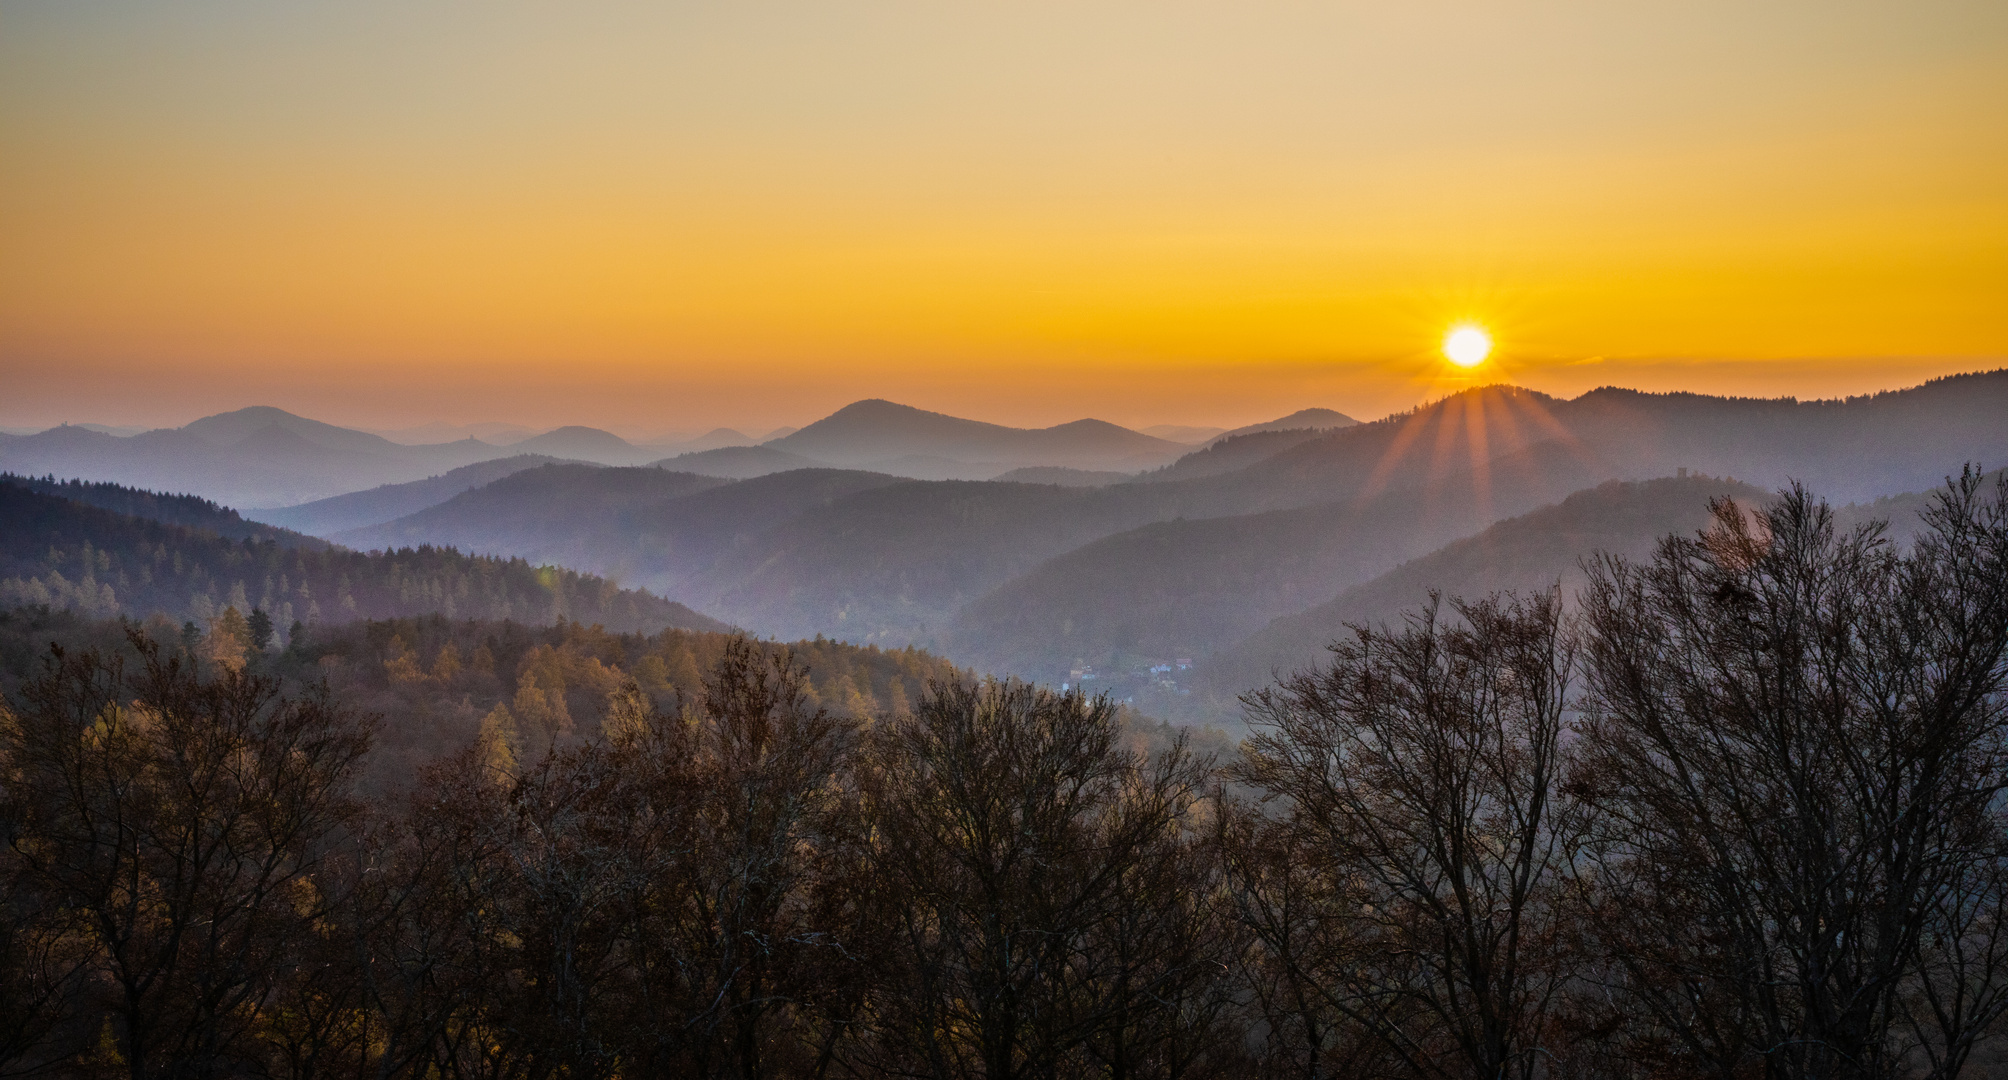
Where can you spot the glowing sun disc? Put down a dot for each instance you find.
(1467, 346)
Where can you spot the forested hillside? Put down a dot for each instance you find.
(848, 553)
(1530, 553)
(1313, 419)
(1538, 550)
(894, 563)
(659, 528)
(66, 554)
(676, 545)
(1233, 451)
(1852, 449)
(437, 681)
(390, 501)
(1064, 477)
(738, 462)
(1491, 841)
(444, 679)
(1187, 587)
(552, 513)
(1036, 579)
(900, 561)
(191, 511)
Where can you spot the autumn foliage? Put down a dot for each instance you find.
(1736, 810)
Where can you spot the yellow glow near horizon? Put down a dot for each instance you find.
(616, 212)
(1467, 346)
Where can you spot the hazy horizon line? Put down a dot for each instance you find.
(761, 431)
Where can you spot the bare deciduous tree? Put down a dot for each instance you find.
(1007, 823)
(736, 934)
(183, 820)
(1418, 780)
(1797, 753)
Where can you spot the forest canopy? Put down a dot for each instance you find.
(64, 553)
(1737, 812)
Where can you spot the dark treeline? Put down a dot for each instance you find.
(187, 511)
(64, 553)
(1736, 813)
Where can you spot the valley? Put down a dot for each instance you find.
(1176, 576)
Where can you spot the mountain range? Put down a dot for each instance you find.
(1301, 420)
(1538, 550)
(259, 456)
(1547, 548)
(1237, 556)
(389, 501)
(271, 459)
(1037, 578)
(887, 437)
(555, 513)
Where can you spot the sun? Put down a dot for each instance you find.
(1467, 346)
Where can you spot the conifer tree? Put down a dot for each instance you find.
(260, 626)
(229, 639)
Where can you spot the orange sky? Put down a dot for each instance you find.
(656, 216)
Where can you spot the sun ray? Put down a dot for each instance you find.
(1407, 430)
(1445, 451)
(1477, 441)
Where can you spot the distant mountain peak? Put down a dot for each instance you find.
(269, 414)
(577, 430)
(1312, 419)
(229, 429)
(1090, 424)
(588, 443)
(879, 404)
(876, 433)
